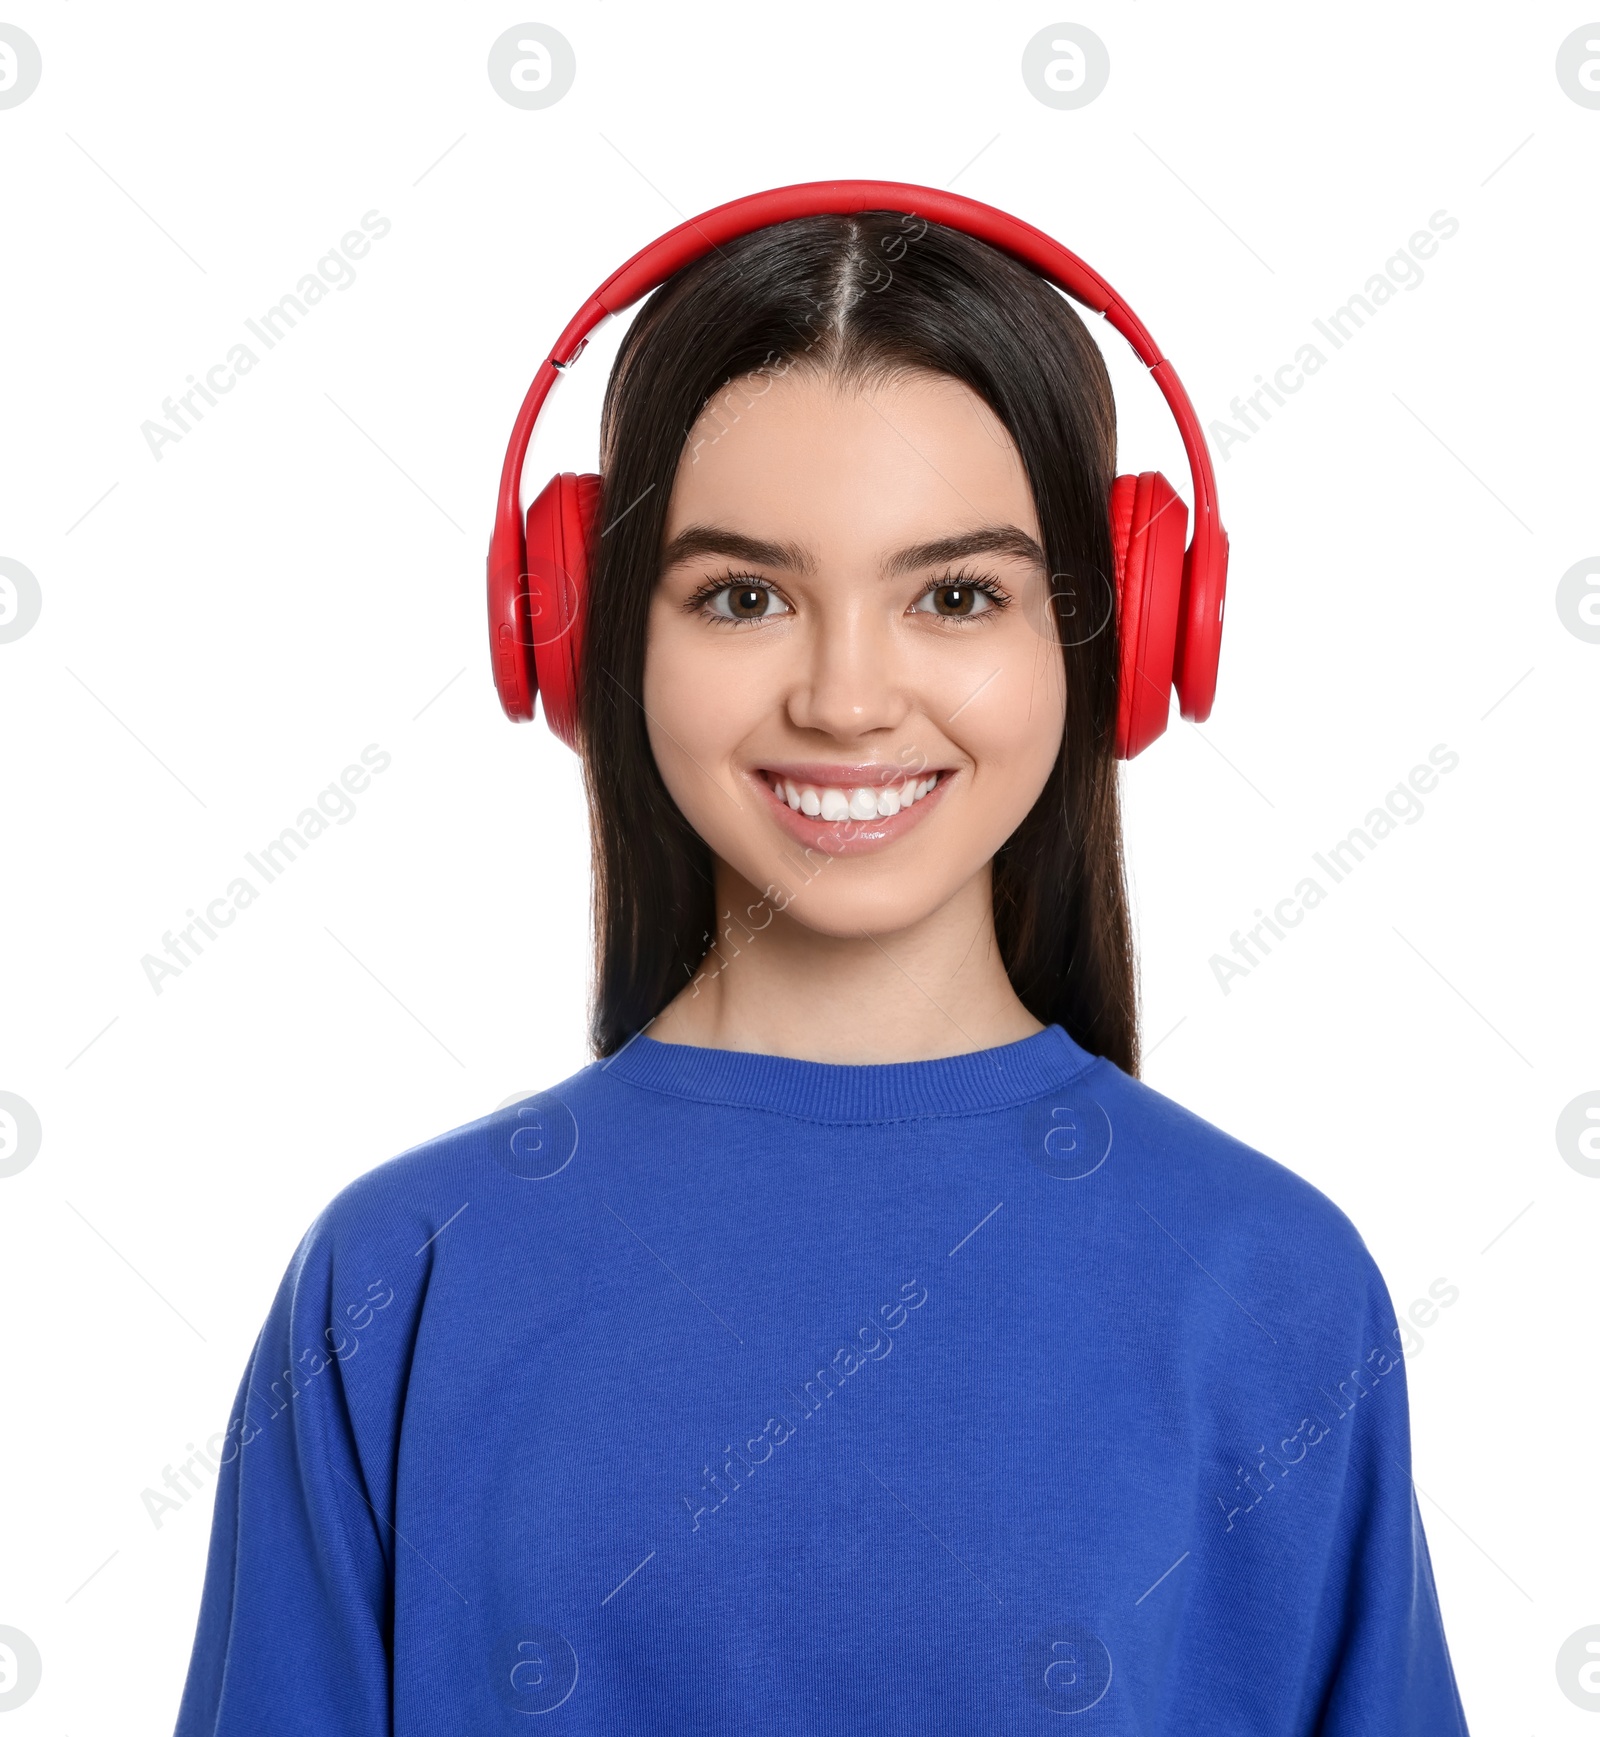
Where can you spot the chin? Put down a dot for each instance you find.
(842, 901)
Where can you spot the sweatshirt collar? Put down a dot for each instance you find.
(978, 1081)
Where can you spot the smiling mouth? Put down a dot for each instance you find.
(833, 802)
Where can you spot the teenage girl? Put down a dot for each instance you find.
(857, 1345)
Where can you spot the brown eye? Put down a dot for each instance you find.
(955, 601)
(742, 600)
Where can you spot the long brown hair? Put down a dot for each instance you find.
(860, 297)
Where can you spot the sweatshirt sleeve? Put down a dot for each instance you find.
(1390, 1672)
(295, 1616)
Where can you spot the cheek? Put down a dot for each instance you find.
(1023, 695)
(1012, 729)
(699, 706)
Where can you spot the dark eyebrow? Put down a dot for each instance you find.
(986, 540)
(697, 540)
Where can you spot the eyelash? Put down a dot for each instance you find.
(991, 588)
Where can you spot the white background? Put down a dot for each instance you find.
(226, 628)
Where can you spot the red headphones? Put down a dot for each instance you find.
(1168, 600)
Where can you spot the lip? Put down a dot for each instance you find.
(846, 837)
(841, 775)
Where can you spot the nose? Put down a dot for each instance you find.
(848, 680)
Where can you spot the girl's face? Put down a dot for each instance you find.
(853, 687)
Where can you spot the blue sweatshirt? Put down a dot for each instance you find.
(720, 1392)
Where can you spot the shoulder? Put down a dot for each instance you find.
(1245, 1209)
(400, 1207)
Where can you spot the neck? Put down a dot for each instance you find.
(773, 986)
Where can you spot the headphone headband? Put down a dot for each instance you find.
(1205, 564)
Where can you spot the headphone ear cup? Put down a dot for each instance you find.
(1149, 526)
(1205, 582)
(560, 534)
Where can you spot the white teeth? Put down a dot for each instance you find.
(862, 802)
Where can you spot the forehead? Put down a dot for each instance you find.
(827, 462)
